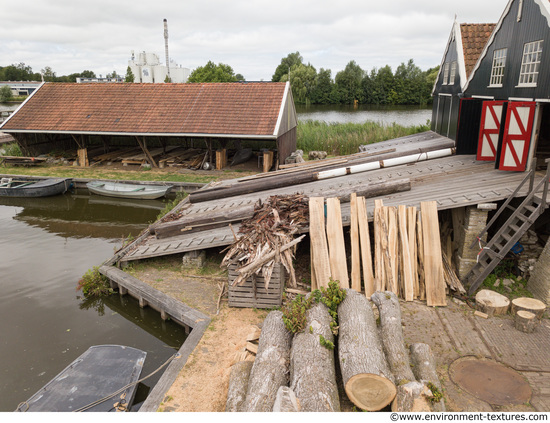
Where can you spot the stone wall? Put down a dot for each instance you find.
(539, 282)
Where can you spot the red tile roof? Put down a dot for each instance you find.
(214, 108)
(474, 38)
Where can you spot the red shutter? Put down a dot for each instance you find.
(491, 118)
(517, 136)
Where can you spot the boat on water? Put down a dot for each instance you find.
(104, 378)
(125, 190)
(10, 187)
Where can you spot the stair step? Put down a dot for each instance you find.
(515, 228)
(530, 208)
(511, 207)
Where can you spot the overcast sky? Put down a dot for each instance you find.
(250, 36)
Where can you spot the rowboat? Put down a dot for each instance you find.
(124, 190)
(104, 378)
(34, 187)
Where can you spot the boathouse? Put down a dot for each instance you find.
(504, 116)
(65, 116)
(465, 44)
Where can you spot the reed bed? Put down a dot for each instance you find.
(345, 138)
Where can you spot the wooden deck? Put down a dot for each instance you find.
(454, 181)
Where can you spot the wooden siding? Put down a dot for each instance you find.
(513, 35)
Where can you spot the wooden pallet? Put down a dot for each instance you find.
(253, 294)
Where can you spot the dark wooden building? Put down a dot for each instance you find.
(466, 42)
(62, 116)
(505, 112)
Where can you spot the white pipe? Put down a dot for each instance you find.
(413, 158)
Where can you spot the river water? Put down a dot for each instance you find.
(46, 245)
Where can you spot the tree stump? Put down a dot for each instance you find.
(271, 367)
(391, 332)
(525, 321)
(491, 302)
(286, 401)
(312, 369)
(365, 372)
(411, 397)
(532, 305)
(238, 385)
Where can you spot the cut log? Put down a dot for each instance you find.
(271, 367)
(424, 365)
(391, 332)
(491, 302)
(238, 385)
(312, 368)
(286, 401)
(319, 248)
(525, 321)
(367, 378)
(433, 264)
(364, 238)
(411, 397)
(336, 244)
(355, 250)
(406, 260)
(536, 307)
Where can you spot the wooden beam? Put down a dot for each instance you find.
(143, 145)
(364, 238)
(355, 250)
(319, 247)
(406, 260)
(433, 264)
(336, 245)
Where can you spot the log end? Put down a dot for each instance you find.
(370, 392)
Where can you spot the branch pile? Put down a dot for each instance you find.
(266, 237)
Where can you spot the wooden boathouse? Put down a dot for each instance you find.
(212, 116)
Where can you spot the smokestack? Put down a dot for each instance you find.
(166, 48)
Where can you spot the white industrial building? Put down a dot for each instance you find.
(146, 67)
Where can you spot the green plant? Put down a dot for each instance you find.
(437, 394)
(94, 284)
(294, 313)
(12, 149)
(171, 204)
(326, 343)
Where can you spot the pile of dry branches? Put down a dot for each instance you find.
(267, 237)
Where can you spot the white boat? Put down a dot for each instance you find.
(125, 190)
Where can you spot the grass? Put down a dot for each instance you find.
(517, 289)
(345, 138)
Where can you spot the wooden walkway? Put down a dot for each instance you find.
(454, 181)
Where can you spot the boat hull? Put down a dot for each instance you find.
(122, 190)
(36, 188)
(96, 374)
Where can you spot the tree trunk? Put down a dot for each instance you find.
(532, 305)
(238, 384)
(312, 370)
(271, 367)
(525, 321)
(491, 302)
(425, 369)
(365, 373)
(411, 397)
(392, 336)
(286, 401)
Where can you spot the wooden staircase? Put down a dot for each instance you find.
(518, 223)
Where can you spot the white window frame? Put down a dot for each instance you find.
(452, 76)
(530, 64)
(446, 74)
(499, 66)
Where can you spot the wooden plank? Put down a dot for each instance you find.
(433, 264)
(336, 245)
(364, 239)
(406, 259)
(420, 256)
(221, 159)
(380, 280)
(319, 247)
(393, 254)
(83, 157)
(314, 284)
(411, 228)
(355, 250)
(267, 160)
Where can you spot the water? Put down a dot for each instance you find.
(402, 115)
(46, 245)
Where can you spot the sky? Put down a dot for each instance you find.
(250, 36)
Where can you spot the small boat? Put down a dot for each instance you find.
(10, 187)
(124, 190)
(242, 156)
(89, 382)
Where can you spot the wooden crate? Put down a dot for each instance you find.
(252, 294)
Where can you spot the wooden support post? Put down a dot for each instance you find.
(143, 144)
(221, 159)
(83, 157)
(267, 161)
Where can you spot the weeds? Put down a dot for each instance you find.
(94, 284)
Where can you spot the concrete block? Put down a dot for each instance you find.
(195, 258)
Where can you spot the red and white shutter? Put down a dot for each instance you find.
(491, 118)
(517, 136)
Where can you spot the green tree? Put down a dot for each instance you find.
(18, 72)
(130, 77)
(302, 82)
(213, 73)
(293, 59)
(323, 87)
(348, 82)
(48, 74)
(5, 93)
(240, 78)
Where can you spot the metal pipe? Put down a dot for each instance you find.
(166, 49)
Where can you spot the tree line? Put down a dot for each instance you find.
(408, 85)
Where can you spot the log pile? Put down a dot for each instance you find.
(408, 258)
(267, 238)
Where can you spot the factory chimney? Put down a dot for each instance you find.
(166, 49)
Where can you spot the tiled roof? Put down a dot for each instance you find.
(474, 38)
(214, 108)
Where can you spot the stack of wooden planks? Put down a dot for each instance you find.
(404, 256)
